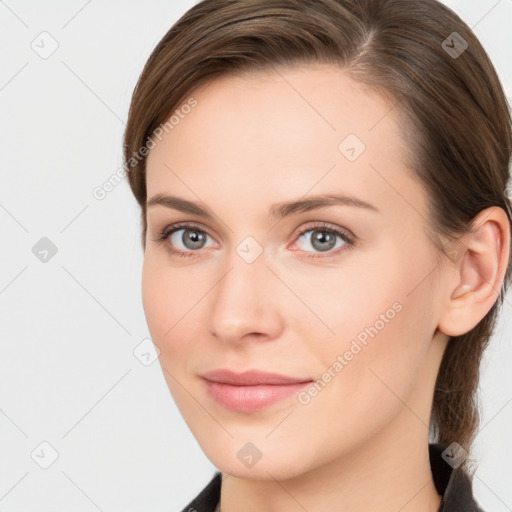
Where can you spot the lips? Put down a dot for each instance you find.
(252, 390)
(250, 378)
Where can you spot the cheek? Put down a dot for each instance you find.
(167, 303)
(373, 379)
(156, 300)
(175, 302)
(371, 296)
(383, 320)
(165, 300)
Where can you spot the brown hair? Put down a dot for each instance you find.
(452, 109)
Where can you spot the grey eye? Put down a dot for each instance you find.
(191, 239)
(321, 240)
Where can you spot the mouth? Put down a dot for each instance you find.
(252, 390)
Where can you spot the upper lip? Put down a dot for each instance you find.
(250, 377)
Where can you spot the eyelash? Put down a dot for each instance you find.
(348, 238)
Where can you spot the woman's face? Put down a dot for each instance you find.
(258, 284)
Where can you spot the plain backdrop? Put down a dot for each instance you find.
(75, 394)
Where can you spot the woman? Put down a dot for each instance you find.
(326, 238)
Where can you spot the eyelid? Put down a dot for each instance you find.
(185, 224)
(322, 225)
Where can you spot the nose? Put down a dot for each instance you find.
(244, 304)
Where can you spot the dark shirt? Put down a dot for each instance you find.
(452, 484)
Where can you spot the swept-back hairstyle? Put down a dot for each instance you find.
(418, 54)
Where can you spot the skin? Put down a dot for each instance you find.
(258, 139)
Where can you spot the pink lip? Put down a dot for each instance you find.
(252, 390)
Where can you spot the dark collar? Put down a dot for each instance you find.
(452, 484)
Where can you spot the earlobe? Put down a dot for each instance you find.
(478, 273)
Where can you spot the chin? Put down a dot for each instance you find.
(258, 460)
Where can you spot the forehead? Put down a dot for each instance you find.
(284, 129)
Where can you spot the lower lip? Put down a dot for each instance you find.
(251, 398)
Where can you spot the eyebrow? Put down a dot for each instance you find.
(277, 211)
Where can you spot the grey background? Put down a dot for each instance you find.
(70, 325)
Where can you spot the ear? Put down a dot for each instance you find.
(475, 275)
